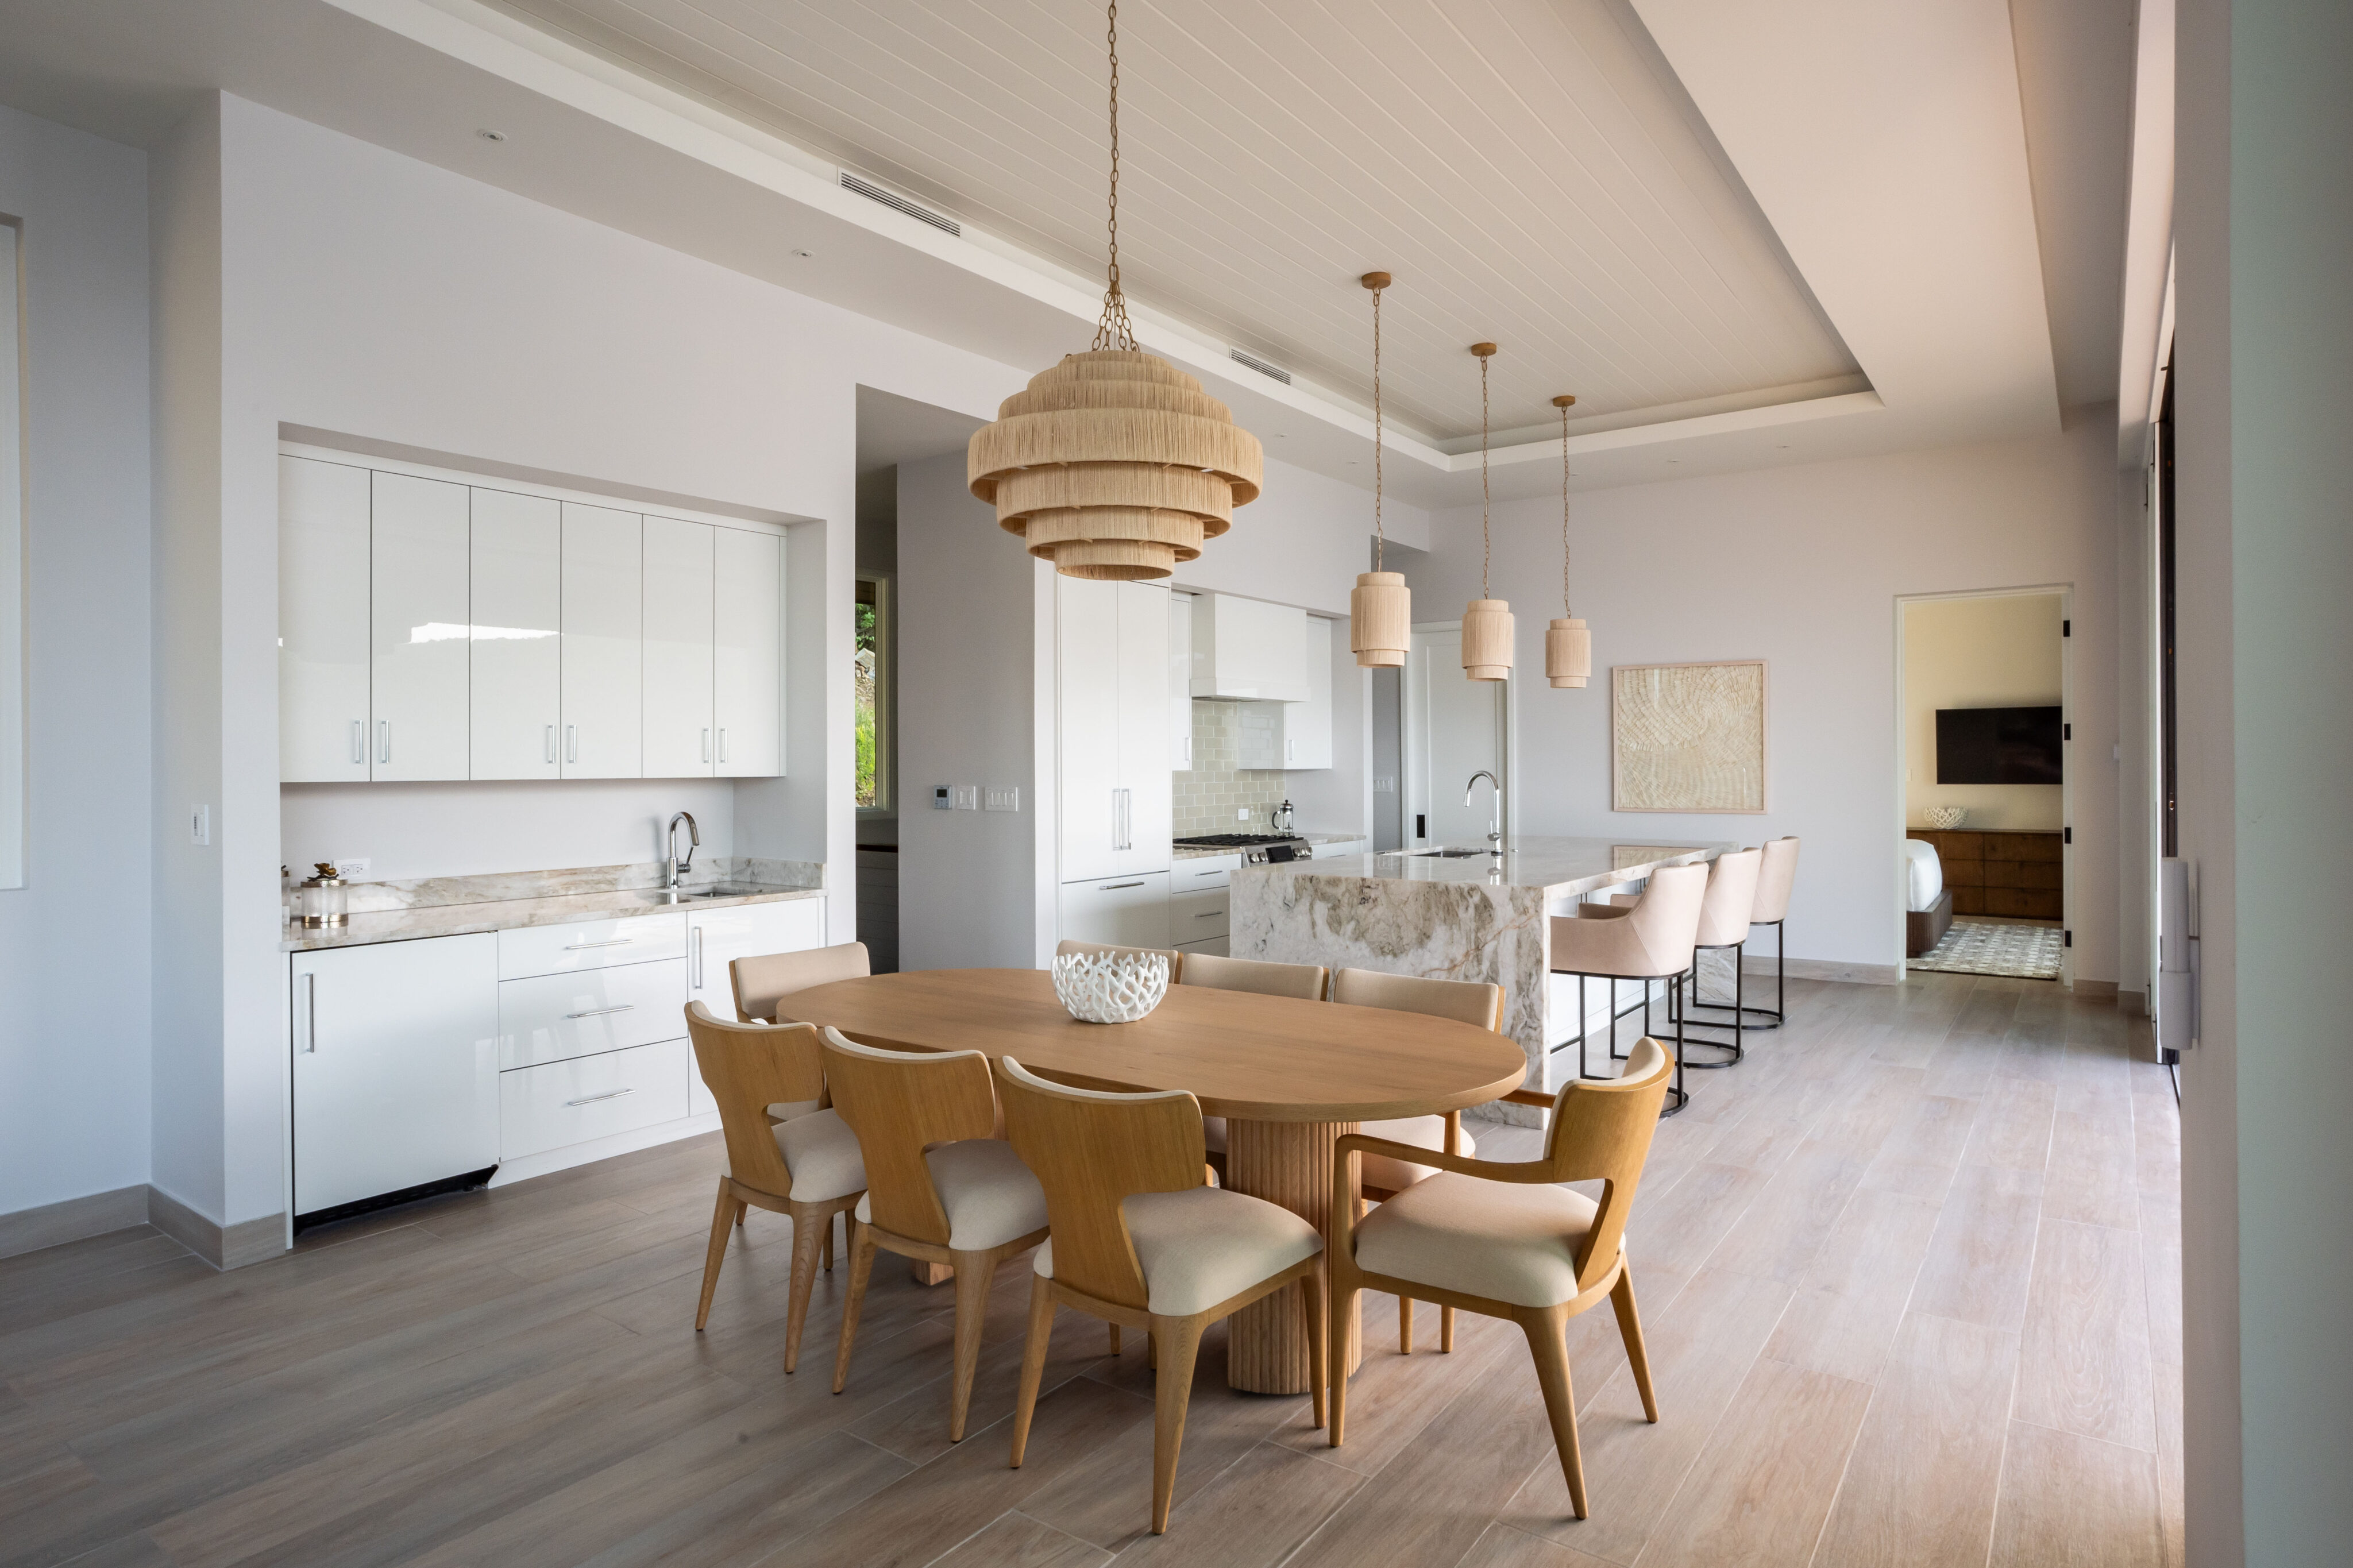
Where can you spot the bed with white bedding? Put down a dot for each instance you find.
(1928, 904)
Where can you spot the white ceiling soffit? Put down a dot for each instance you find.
(2148, 243)
(1884, 151)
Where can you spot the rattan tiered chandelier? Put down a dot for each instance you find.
(1568, 646)
(1486, 622)
(1114, 464)
(1380, 611)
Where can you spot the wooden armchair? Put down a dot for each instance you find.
(1507, 1240)
(1307, 981)
(807, 1166)
(1140, 1240)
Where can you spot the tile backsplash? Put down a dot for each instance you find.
(1207, 794)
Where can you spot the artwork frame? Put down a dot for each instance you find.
(1689, 738)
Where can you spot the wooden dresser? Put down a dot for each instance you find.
(2000, 872)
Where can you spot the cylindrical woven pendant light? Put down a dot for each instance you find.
(1568, 646)
(1114, 464)
(1486, 622)
(1380, 611)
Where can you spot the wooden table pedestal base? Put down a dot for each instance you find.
(1286, 1162)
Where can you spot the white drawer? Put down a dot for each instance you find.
(590, 944)
(1193, 876)
(554, 1017)
(1118, 912)
(563, 1103)
(1196, 917)
(1334, 851)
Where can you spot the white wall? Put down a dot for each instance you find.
(1978, 652)
(408, 830)
(1802, 567)
(75, 951)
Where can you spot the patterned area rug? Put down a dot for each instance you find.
(1985, 947)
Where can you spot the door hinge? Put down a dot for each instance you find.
(2067, 628)
(2066, 836)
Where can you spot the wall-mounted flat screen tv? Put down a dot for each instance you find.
(1997, 745)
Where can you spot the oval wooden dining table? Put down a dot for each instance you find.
(1289, 1077)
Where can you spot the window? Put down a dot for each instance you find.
(874, 679)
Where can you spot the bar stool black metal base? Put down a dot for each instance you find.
(1677, 1098)
(1738, 1045)
(1777, 1013)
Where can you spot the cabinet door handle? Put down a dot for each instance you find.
(572, 743)
(616, 942)
(383, 740)
(548, 741)
(722, 742)
(1290, 750)
(694, 938)
(1115, 887)
(309, 1014)
(359, 742)
(600, 1012)
(593, 1098)
(706, 745)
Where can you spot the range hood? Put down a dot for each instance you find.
(1246, 650)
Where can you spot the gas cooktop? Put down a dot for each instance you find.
(1235, 841)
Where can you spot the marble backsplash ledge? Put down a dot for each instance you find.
(428, 892)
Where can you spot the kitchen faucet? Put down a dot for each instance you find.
(678, 868)
(1495, 819)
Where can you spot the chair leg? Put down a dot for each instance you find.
(861, 1266)
(1172, 1391)
(722, 1221)
(740, 1210)
(1311, 1306)
(1547, 1331)
(1114, 1337)
(1446, 1330)
(974, 1273)
(828, 1244)
(1340, 1302)
(1033, 1360)
(1630, 1329)
(1405, 1325)
(806, 1244)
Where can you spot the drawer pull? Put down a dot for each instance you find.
(600, 1012)
(1115, 887)
(616, 942)
(1210, 915)
(593, 1098)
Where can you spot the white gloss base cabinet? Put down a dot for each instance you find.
(566, 1102)
(1120, 911)
(1113, 724)
(396, 1072)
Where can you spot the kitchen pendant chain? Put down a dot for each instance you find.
(1113, 332)
(1379, 538)
(1485, 548)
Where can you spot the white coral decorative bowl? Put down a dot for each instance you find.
(1110, 987)
(1946, 815)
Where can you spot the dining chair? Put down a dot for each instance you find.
(761, 982)
(805, 1167)
(1176, 959)
(1648, 937)
(1776, 878)
(1508, 1240)
(939, 1185)
(1465, 1002)
(1304, 982)
(1724, 920)
(1139, 1240)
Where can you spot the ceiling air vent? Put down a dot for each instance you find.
(893, 199)
(1261, 365)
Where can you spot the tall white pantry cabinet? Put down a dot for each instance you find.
(431, 627)
(1113, 742)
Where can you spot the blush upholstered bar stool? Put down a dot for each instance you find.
(1139, 1239)
(1507, 1240)
(1381, 1177)
(940, 1184)
(1724, 921)
(805, 1167)
(1644, 937)
(1776, 876)
(1305, 982)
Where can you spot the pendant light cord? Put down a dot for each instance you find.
(1113, 330)
(1379, 537)
(1565, 610)
(1487, 549)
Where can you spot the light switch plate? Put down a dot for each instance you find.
(966, 797)
(1001, 799)
(1385, 783)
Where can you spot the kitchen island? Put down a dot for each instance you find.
(1450, 916)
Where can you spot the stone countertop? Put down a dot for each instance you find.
(509, 914)
(1557, 865)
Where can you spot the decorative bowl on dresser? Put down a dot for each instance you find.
(2011, 872)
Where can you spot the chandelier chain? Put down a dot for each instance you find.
(1379, 537)
(1113, 330)
(1564, 513)
(1486, 549)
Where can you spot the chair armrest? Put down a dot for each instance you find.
(1462, 1165)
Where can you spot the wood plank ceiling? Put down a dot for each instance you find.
(1529, 169)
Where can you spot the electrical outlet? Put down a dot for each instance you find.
(1001, 799)
(352, 864)
(966, 797)
(1241, 813)
(200, 825)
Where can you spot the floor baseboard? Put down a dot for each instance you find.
(2097, 990)
(223, 1246)
(75, 1219)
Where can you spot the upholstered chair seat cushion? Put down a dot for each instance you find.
(1508, 1241)
(989, 1196)
(1393, 1175)
(1205, 1245)
(821, 1152)
(786, 1109)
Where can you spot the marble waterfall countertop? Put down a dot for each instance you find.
(1566, 866)
(458, 906)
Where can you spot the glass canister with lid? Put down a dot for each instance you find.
(326, 898)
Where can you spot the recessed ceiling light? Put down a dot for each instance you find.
(487, 134)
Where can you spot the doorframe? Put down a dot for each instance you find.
(2068, 890)
(1407, 778)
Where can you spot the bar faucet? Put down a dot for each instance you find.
(1495, 819)
(678, 868)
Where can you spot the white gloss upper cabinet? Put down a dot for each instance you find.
(1302, 731)
(322, 622)
(747, 647)
(419, 562)
(604, 626)
(678, 589)
(518, 651)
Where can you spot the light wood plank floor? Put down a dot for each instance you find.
(1911, 1277)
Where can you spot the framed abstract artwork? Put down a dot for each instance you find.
(1687, 737)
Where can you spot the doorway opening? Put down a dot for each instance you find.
(1982, 740)
(1454, 729)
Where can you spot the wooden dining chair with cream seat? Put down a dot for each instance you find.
(1776, 878)
(1723, 918)
(805, 1167)
(1140, 1240)
(1647, 937)
(1508, 1240)
(1307, 981)
(761, 982)
(1381, 1178)
(941, 1185)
